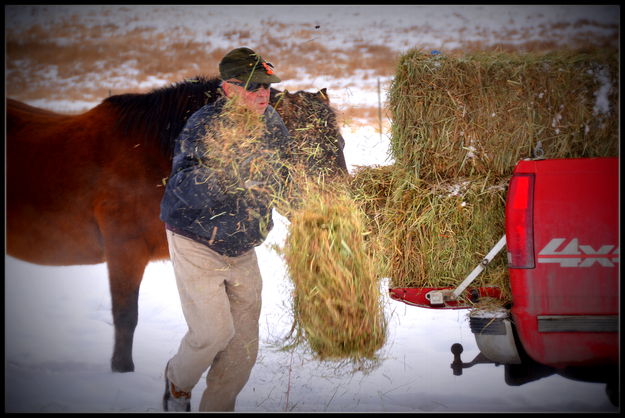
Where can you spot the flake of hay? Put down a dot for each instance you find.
(336, 300)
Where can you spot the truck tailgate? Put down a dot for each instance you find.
(565, 301)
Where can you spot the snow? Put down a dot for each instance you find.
(58, 324)
(367, 22)
(602, 101)
(59, 339)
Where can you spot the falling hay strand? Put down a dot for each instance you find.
(336, 299)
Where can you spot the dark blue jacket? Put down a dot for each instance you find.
(228, 223)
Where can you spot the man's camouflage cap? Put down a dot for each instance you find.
(247, 66)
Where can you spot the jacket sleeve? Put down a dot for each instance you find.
(191, 179)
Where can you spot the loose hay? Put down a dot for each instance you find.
(315, 136)
(337, 303)
(241, 161)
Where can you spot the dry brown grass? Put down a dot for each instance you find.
(89, 51)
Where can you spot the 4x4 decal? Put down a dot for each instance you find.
(575, 255)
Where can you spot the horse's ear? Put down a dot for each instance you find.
(324, 95)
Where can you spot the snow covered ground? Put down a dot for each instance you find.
(58, 324)
(59, 335)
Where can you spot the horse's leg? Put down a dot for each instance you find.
(126, 264)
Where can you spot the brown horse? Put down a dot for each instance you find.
(86, 189)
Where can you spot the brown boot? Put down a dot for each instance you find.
(175, 400)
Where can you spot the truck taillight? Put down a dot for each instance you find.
(520, 222)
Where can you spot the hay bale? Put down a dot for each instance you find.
(480, 114)
(370, 187)
(336, 299)
(433, 234)
(460, 125)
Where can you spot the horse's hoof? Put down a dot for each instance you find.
(122, 367)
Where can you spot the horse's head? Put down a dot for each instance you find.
(317, 141)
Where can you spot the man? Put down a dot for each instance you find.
(212, 232)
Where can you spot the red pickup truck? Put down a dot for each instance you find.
(562, 244)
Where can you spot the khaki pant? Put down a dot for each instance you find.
(221, 301)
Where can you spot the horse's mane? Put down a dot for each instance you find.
(163, 112)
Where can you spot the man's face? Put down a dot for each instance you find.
(256, 97)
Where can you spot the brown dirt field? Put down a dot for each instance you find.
(93, 53)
